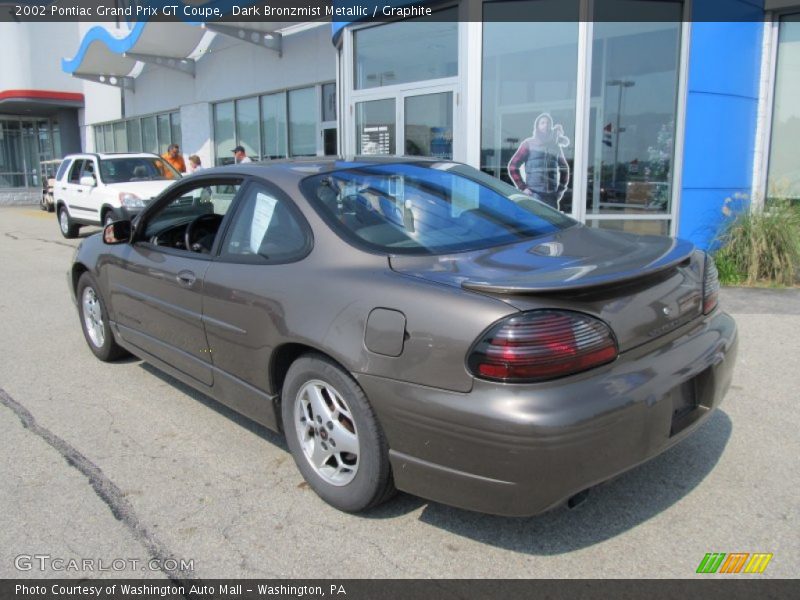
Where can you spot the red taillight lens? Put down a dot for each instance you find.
(710, 286)
(540, 345)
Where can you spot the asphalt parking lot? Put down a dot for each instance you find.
(119, 462)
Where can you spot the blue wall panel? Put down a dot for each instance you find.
(721, 118)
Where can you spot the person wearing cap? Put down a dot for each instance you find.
(240, 156)
(173, 157)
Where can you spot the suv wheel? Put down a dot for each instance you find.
(68, 228)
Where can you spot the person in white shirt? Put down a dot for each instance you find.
(240, 156)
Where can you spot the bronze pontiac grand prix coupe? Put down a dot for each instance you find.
(415, 325)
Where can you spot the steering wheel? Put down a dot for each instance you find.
(201, 227)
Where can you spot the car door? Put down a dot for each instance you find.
(90, 196)
(246, 293)
(156, 288)
(69, 187)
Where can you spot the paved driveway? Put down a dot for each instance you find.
(118, 461)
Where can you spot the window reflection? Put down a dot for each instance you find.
(632, 116)
(530, 77)
(784, 169)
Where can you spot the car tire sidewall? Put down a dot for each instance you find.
(367, 487)
(71, 230)
(109, 350)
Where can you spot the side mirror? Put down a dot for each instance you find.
(88, 180)
(118, 232)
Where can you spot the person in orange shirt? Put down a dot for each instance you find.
(173, 157)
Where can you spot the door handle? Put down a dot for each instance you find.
(186, 278)
(79, 191)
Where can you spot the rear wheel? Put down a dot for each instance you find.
(94, 321)
(69, 229)
(335, 439)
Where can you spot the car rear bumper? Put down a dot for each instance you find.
(519, 450)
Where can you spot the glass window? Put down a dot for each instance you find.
(99, 140)
(247, 133)
(149, 136)
(633, 106)
(134, 136)
(120, 137)
(120, 170)
(329, 102)
(303, 116)
(108, 136)
(273, 125)
(224, 132)
(175, 127)
(429, 125)
(530, 70)
(783, 179)
(196, 214)
(75, 172)
(164, 133)
(375, 128)
(265, 229)
(409, 50)
(62, 168)
(409, 209)
(56, 139)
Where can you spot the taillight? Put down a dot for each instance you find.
(540, 345)
(710, 286)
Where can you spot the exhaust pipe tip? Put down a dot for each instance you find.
(578, 499)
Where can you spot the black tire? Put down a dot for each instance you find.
(372, 482)
(100, 338)
(69, 229)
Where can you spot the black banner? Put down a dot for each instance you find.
(298, 11)
(395, 589)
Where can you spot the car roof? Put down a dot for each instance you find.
(296, 169)
(103, 155)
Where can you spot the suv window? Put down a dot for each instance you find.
(136, 168)
(75, 173)
(265, 229)
(88, 169)
(63, 168)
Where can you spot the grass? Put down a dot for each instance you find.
(761, 247)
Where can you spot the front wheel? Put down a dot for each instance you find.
(333, 435)
(68, 229)
(94, 321)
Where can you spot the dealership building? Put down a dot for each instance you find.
(661, 123)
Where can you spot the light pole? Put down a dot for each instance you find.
(622, 84)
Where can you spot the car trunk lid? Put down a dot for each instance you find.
(642, 286)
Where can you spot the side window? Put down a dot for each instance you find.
(62, 168)
(193, 217)
(88, 169)
(75, 173)
(265, 230)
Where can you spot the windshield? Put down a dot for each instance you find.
(136, 168)
(413, 209)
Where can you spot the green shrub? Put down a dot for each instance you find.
(761, 247)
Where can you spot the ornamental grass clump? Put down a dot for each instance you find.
(761, 247)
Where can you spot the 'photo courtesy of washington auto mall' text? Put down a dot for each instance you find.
(454, 299)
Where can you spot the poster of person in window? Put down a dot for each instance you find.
(541, 156)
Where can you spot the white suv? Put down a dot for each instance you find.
(97, 189)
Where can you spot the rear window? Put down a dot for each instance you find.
(139, 168)
(413, 209)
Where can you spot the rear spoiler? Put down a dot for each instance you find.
(584, 276)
